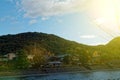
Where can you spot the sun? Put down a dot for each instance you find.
(105, 13)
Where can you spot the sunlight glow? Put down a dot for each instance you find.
(105, 13)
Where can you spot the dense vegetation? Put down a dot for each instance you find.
(42, 45)
(50, 42)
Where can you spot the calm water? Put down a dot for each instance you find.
(100, 75)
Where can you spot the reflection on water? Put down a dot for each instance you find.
(100, 75)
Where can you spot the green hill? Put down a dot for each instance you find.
(48, 44)
(51, 43)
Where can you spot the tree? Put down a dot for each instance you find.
(84, 57)
(21, 61)
(40, 57)
(67, 59)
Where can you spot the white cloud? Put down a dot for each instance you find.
(40, 8)
(87, 36)
(8, 18)
(98, 43)
(44, 18)
(33, 22)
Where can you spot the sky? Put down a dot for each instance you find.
(90, 22)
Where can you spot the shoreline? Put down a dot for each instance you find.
(45, 74)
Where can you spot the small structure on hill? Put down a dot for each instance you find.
(7, 57)
(10, 56)
(30, 57)
(54, 63)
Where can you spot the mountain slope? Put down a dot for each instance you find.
(114, 46)
(50, 42)
(43, 45)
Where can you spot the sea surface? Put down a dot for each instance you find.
(96, 75)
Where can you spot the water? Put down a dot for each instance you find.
(99, 75)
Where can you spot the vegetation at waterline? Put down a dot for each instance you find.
(34, 49)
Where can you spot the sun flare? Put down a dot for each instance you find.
(105, 13)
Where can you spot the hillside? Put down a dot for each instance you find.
(113, 47)
(50, 42)
(41, 45)
(115, 43)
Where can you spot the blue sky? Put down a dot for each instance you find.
(18, 16)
